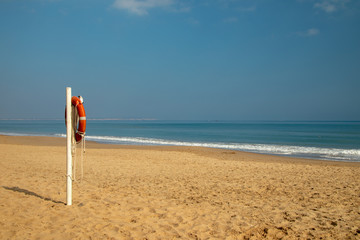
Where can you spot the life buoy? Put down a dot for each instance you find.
(81, 125)
(75, 101)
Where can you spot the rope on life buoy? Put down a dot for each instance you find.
(78, 120)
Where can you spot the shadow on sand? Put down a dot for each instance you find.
(27, 192)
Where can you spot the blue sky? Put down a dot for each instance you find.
(182, 60)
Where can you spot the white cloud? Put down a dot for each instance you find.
(330, 6)
(309, 33)
(247, 9)
(141, 7)
(326, 6)
(231, 20)
(312, 32)
(193, 21)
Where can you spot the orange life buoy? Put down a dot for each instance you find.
(81, 125)
(75, 101)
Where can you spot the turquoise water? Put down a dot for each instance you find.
(320, 140)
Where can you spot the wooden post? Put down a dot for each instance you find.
(68, 148)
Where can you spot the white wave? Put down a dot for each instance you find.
(335, 154)
(60, 135)
(313, 152)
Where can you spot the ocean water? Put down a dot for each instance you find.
(338, 141)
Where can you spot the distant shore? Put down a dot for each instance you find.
(164, 192)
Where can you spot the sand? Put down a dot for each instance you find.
(138, 192)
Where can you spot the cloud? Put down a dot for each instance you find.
(247, 9)
(230, 20)
(326, 6)
(193, 21)
(312, 32)
(141, 7)
(63, 12)
(330, 6)
(309, 33)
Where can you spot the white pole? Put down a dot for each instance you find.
(68, 148)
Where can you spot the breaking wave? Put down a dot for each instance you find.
(298, 151)
(335, 154)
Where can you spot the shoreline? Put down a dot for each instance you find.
(61, 141)
(161, 192)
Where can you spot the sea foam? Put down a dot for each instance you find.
(300, 151)
(335, 154)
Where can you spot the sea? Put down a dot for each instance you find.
(335, 141)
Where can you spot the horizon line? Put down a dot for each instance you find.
(154, 119)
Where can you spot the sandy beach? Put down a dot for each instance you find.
(142, 192)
